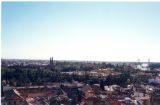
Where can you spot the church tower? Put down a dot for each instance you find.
(51, 64)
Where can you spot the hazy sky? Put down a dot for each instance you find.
(81, 31)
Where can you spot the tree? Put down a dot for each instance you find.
(108, 80)
(102, 85)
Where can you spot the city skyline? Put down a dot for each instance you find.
(98, 31)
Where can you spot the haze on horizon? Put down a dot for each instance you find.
(102, 31)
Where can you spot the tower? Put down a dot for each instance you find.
(148, 64)
(51, 63)
(148, 61)
(138, 61)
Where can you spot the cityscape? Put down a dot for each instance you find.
(80, 53)
(51, 82)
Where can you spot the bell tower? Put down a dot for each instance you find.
(51, 64)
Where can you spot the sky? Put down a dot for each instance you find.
(98, 31)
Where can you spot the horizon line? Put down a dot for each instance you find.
(77, 60)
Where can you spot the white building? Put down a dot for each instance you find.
(143, 66)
